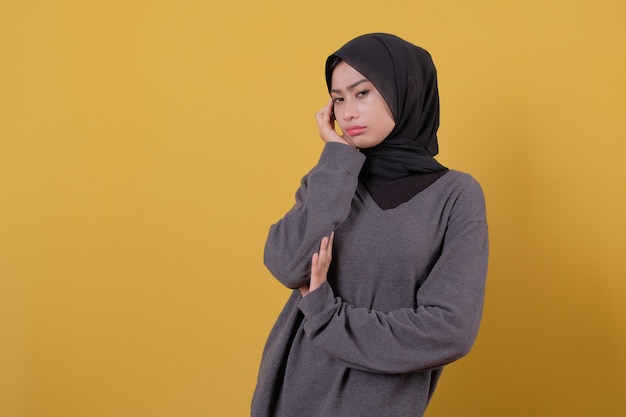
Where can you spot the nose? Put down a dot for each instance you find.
(350, 110)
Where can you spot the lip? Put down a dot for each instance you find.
(355, 130)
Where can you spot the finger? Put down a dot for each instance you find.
(331, 112)
(327, 108)
(325, 118)
(315, 267)
(319, 117)
(331, 239)
(323, 253)
(324, 115)
(316, 276)
(323, 125)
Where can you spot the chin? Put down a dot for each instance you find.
(365, 144)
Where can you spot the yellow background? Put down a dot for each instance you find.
(146, 147)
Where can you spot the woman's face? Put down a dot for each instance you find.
(360, 110)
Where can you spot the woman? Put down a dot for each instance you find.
(385, 249)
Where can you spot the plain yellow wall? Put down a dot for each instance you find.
(146, 147)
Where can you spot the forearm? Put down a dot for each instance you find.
(322, 203)
(440, 330)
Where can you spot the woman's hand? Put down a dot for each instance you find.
(319, 265)
(326, 124)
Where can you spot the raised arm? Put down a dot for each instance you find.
(322, 203)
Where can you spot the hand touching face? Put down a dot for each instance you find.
(326, 125)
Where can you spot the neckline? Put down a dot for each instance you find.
(392, 194)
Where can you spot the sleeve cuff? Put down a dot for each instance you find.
(340, 156)
(317, 301)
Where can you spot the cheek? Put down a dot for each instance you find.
(386, 120)
(384, 123)
(390, 124)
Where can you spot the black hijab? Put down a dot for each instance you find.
(406, 77)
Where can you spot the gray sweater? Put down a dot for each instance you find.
(404, 295)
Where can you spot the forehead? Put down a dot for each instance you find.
(344, 75)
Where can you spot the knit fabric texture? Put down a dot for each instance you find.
(404, 295)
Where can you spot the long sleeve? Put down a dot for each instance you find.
(443, 326)
(322, 203)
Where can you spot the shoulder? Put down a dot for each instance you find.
(462, 180)
(464, 192)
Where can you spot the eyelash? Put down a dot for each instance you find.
(361, 93)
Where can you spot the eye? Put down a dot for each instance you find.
(362, 93)
(337, 100)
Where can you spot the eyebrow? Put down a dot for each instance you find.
(351, 86)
